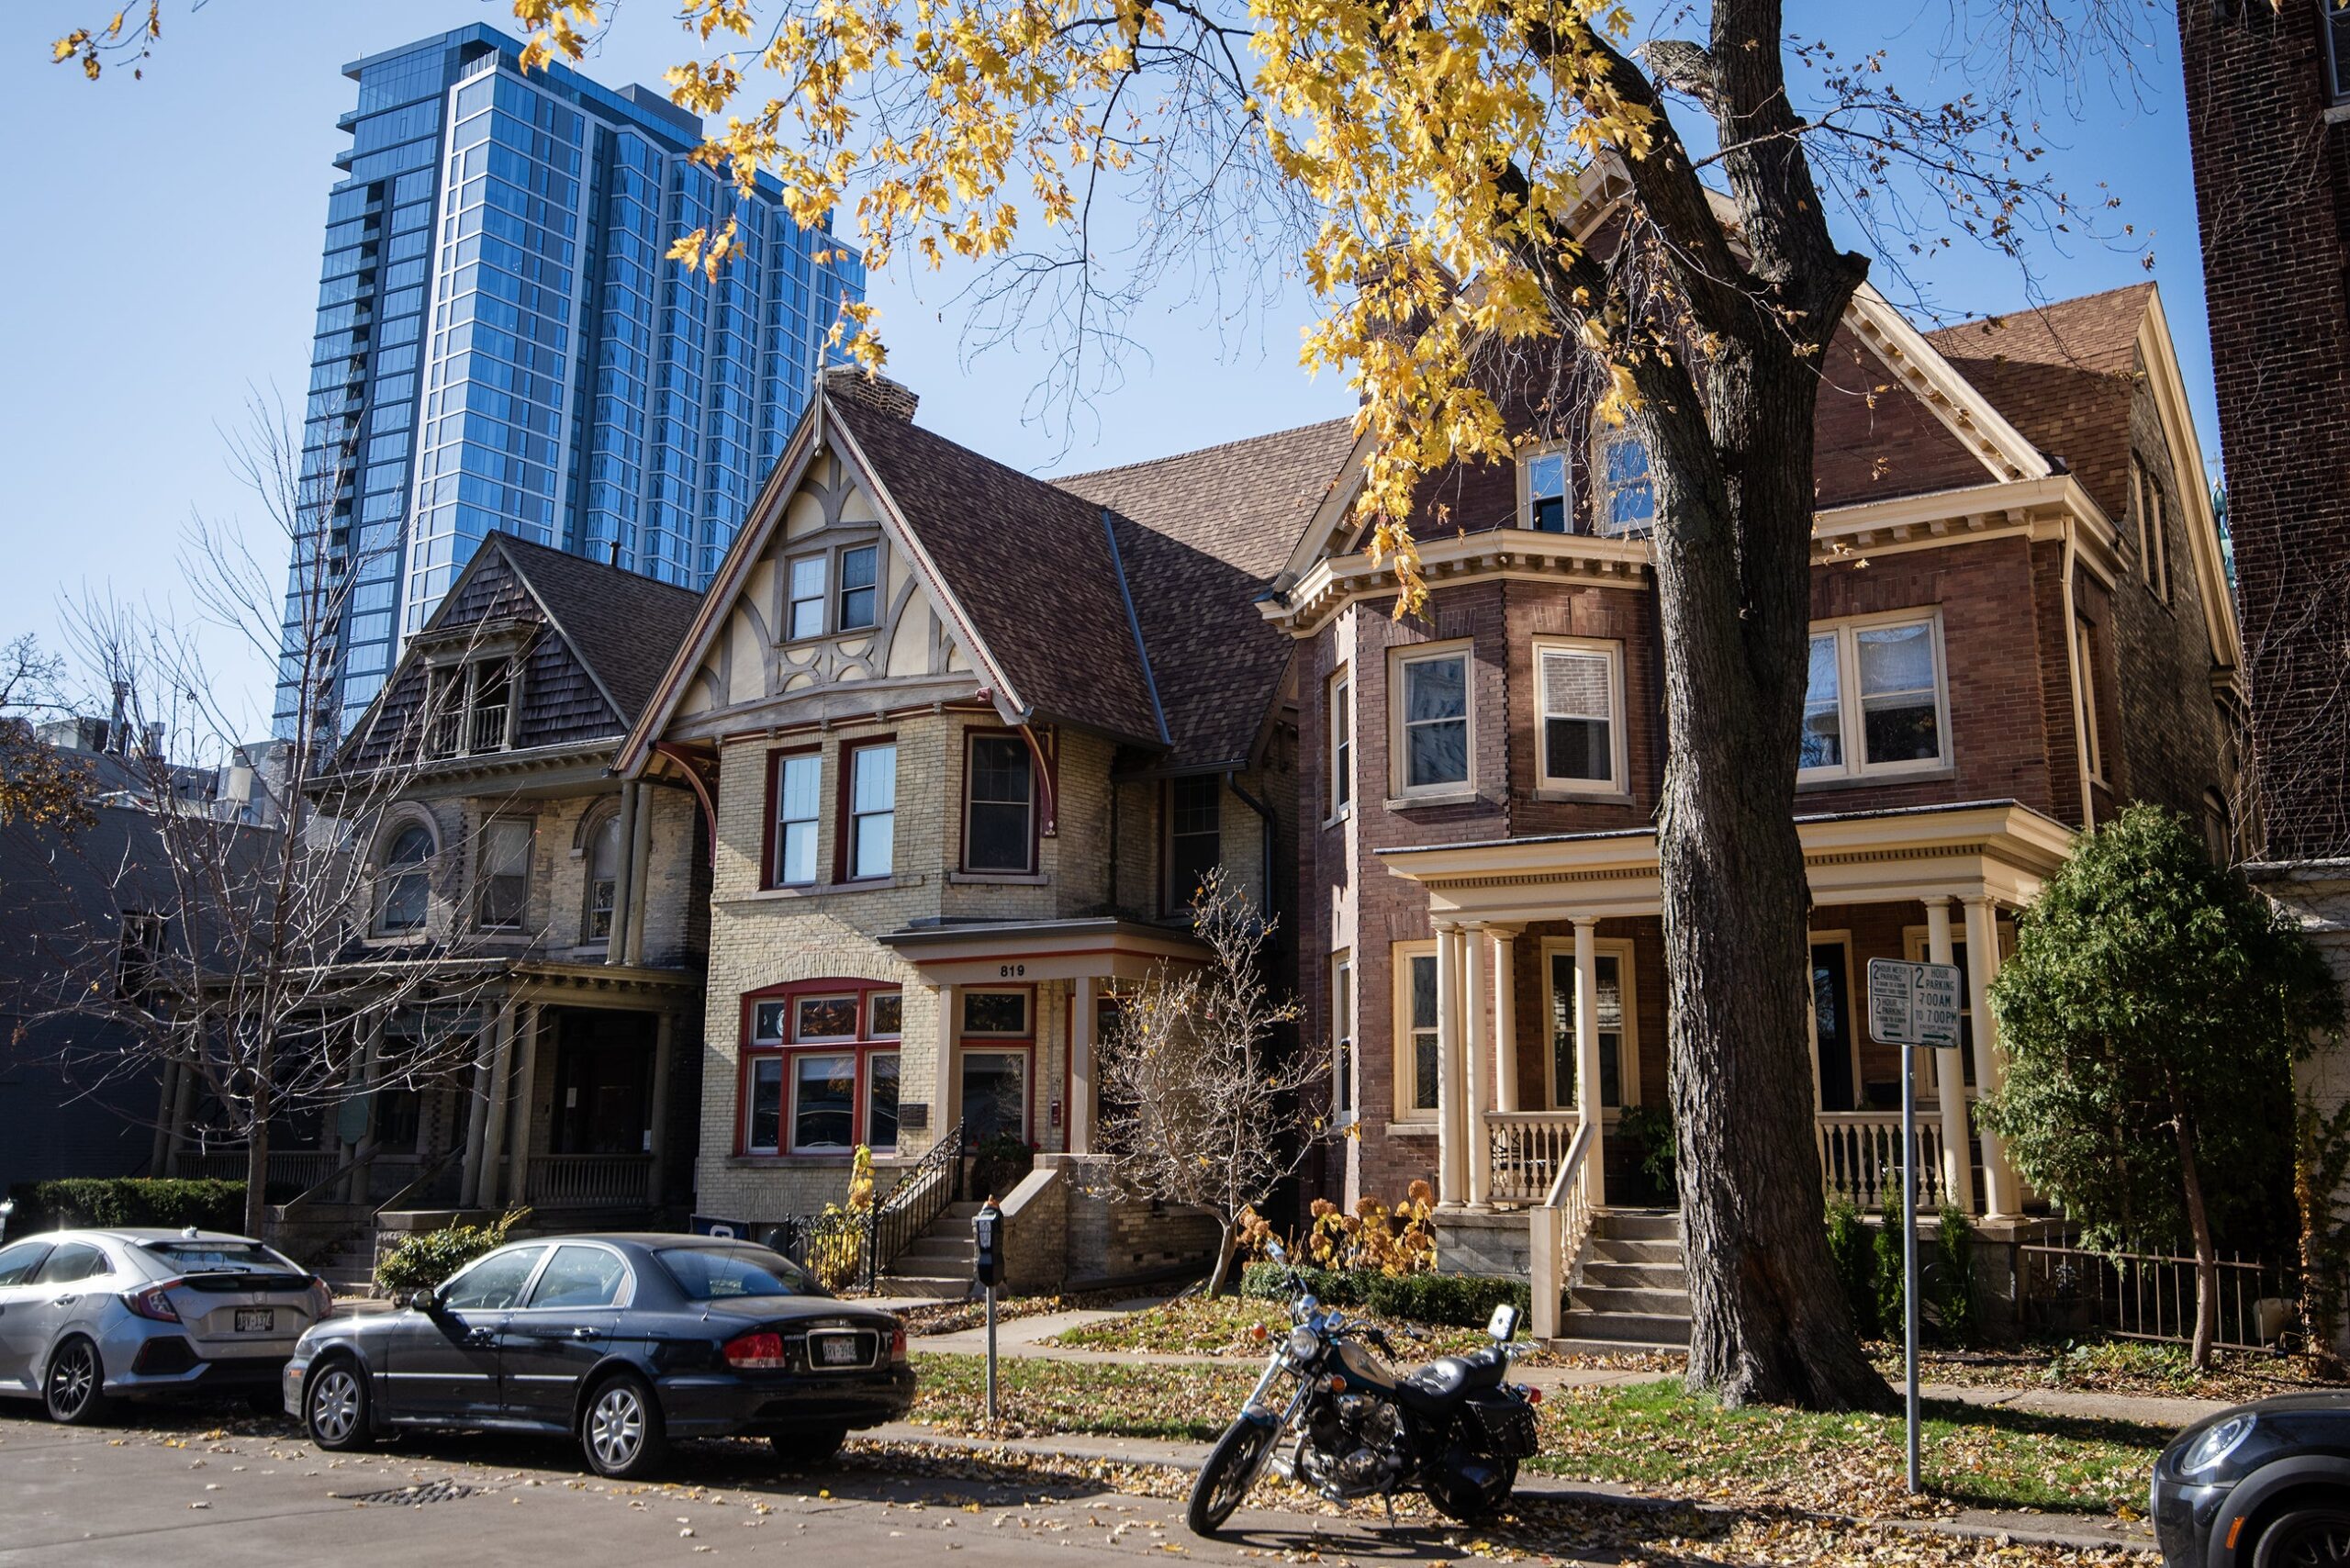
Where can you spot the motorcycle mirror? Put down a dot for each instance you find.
(1503, 1325)
(1273, 1250)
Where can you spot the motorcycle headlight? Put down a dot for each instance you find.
(1304, 1344)
(2217, 1442)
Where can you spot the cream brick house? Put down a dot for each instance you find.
(969, 739)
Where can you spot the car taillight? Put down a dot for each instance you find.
(152, 1303)
(322, 1299)
(755, 1350)
(897, 1343)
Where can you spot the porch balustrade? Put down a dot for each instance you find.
(290, 1170)
(589, 1180)
(1527, 1150)
(1860, 1157)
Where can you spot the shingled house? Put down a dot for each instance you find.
(560, 912)
(970, 740)
(2021, 621)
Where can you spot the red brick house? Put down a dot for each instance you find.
(2021, 621)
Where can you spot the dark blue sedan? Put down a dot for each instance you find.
(620, 1341)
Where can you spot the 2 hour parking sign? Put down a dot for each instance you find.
(1913, 1005)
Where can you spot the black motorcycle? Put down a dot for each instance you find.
(1353, 1428)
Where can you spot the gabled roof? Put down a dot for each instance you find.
(623, 626)
(1200, 534)
(2063, 374)
(1030, 564)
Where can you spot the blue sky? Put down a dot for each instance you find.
(167, 246)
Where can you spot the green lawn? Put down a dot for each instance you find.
(1650, 1435)
(1224, 1325)
(1658, 1436)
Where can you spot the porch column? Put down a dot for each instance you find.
(1588, 1109)
(493, 1111)
(946, 1087)
(2004, 1197)
(665, 1050)
(623, 880)
(1082, 1024)
(1452, 1154)
(526, 1111)
(1475, 1067)
(363, 1080)
(1505, 1017)
(639, 850)
(1950, 1077)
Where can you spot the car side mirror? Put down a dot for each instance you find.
(425, 1300)
(1503, 1325)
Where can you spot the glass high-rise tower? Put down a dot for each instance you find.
(501, 343)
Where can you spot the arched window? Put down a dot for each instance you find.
(404, 882)
(603, 855)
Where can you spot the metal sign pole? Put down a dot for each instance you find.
(991, 1357)
(1909, 1254)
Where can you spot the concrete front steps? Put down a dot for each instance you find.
(350, 1268)
(1631, 1293)
(939, 1264)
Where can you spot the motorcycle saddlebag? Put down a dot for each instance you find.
(1496, 1424)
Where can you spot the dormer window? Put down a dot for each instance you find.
(1545, 477)
(469, 707)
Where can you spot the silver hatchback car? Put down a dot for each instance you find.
(89, 1316)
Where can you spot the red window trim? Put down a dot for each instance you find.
(769, 871)
(751, 1051)
(972, 735)
(844, 825)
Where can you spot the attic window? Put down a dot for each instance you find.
(469, 707)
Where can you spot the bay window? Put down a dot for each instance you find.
(820, 1069)
(1878, 700)
(1580, 687)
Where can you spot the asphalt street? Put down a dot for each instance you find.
(165, 1488)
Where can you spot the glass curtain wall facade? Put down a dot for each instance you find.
(501, 343)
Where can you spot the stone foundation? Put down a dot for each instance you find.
(1498, 1244)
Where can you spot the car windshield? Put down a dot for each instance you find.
(712, 1273)
(221, 1256)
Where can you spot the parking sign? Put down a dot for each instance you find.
(1913, 1005)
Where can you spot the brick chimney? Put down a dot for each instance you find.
(879, 393)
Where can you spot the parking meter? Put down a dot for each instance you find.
(987, 1233)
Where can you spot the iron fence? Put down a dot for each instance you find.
(2148, 1295)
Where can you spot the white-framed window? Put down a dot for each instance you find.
(1342, 742)
(1415, 1032)
(1579, 685)
(1623, 491)
(1878, 699)
(1342, 1038)
(803, 614)
(502, 874)
(797, 785)
(1616, 1025)
(1544, 504)
(1435, 725)
(860, 595)
(2084, 657)
(872, 811)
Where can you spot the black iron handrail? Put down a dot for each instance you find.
(914, 1204)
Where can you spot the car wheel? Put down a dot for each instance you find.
(621, 1431)
(806, 1451)
(2311, 1535)
(334, 1408)
(74, 1389)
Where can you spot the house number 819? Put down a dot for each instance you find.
(1011, 971)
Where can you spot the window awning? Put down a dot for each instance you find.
(1019, 952)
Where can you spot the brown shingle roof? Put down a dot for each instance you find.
(1030, 564)
(2063, 374)
(1200, 534)
(624, 627)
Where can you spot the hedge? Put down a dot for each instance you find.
(98, 1203)
(426, 1259)
(1462, 1300)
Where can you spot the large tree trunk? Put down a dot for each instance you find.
(2206, 1255)
(1770, 1320)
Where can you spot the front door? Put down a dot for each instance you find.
(443, 1365)
(557, 1337)
(995, 1095)
(603, 1084)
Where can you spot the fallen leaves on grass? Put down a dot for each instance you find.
(1226, 1326)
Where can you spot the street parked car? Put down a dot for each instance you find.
(2261, 1485)
(90, 1315)
(623, 1342)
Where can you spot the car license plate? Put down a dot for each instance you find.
(836, 1350)
(256, 1320)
